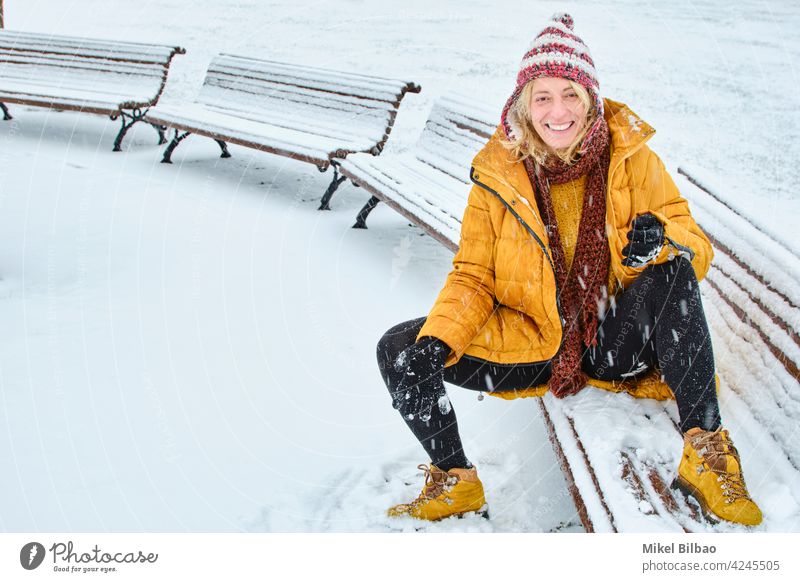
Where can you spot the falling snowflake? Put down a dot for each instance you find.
(444, 405)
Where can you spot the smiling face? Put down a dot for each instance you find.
(557, 112)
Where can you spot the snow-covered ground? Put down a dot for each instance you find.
(191, 347)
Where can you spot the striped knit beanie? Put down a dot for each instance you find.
(556, 52)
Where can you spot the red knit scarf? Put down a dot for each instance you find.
(585, 285)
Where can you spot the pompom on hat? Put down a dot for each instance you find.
(556, 52)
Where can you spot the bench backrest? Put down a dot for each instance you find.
(93, 75)
(358, 110)
(457, 128)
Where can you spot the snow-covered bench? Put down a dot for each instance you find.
(107, 77)
(306, 113)
(428, 184)
(618, 453)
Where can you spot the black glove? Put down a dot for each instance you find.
(421, 386)
(646, 238)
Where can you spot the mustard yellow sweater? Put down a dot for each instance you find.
(568, 206)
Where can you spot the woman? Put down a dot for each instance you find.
(579, 261)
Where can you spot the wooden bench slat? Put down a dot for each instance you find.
(90, 89)
(445, 132)
(81, 103)
(312, 77)
(776, 318)
(88, 82)
(266, 94)
(442, 149)
(254, 125)
(66, 65)
(330, 117)
(60, 103)
(460, 107)
(351, 140)
(242, 78)
(89, 54)
(99, 48)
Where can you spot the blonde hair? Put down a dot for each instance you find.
(527, 141)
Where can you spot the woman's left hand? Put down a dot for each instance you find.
(646, 238)
(421, 386)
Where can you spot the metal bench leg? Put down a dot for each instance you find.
(224, 147)
(128, 119)
(335, 183)
(161, 129)
(6, 114)
(361, 220)
(179, 137)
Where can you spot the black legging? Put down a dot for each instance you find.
(658, 321)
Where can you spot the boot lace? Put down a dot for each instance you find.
(436, 483)
(714, 448)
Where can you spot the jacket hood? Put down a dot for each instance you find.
(628, 132)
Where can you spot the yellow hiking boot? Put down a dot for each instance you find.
(445, 493)
(711, 472)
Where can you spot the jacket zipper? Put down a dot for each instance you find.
(527, 227)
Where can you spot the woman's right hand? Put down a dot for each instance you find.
(422, 384)
(646, 238)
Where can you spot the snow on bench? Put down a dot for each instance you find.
(428, 184)
(619, 454)
(306, 113)
(107, 77)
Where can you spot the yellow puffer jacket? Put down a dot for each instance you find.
(499, 301)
